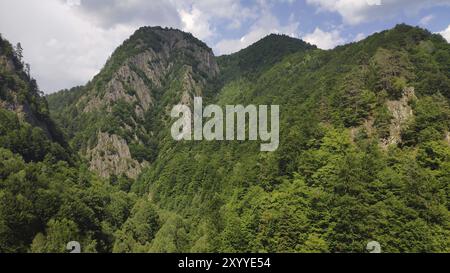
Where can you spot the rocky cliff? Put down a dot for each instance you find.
(118, 109)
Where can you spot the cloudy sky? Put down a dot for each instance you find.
(68, 41)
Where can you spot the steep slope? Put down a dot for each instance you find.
(116, 114)
(26, 127)
(364, 152)
(118, 120)
(47, 195)
(362, 155)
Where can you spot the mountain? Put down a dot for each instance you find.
(112, 120)
(364, 153)
(152, 71)
(26, 126)
(260, 55)
(364, 149)
(47, 195)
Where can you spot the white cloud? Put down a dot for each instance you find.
(108, 14)
(359, 37)
(266, 24)
(196, 23)
(426, 20)
(68, 41)
(73, 3)
(357, 11)
(200, 16)
(63, 49)
(352, 11)
(446, 33)
(228, 9)
(195, 16)
(323, 39)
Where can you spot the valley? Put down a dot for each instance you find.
(363, 150)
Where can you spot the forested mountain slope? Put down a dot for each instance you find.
(114, 120)
(364, 146)
(364, 155)
(24, 112)
(260, 56)
(47, 195)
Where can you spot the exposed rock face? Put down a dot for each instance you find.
(367, 126)
(136, 80)
(127, 85)
(402, 113)
(190, 87)
(6, 64)
(156, 60)
(111, 156)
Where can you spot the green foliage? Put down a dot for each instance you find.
(59, 233)
(432, 120)
(324, 190)
(382, 123)
(43, 206)
(143, 152)
(30, 142)
(249, 61)
(139, 229)
(330, 187)
(172, 237)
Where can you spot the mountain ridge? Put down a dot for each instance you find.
(135, 75)
(363, 151)
(146, 43)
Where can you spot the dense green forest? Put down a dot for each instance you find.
(364, 149)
